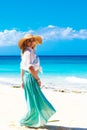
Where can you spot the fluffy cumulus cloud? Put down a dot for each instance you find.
(68, 33)
(11, 37)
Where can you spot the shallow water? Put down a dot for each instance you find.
(60, 72)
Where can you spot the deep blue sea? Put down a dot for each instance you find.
(65, 72)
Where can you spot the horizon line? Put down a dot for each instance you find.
(46, 55)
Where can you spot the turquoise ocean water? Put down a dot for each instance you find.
(65, 72)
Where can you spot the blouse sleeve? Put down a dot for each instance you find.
(26, 61)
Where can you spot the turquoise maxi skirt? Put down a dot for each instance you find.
(39, 110)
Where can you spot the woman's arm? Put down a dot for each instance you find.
(35, 74)
(22, 82)
(22, 74)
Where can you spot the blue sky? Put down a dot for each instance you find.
(61, 23)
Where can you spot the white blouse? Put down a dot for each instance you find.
(30, 58)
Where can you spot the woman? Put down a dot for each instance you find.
(39, 108)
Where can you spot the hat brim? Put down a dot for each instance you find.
(38, 40)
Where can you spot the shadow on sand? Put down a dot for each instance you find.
(49, 127)
(53, 127)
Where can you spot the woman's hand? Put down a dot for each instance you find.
(39, 82)
(22, 85)
(35, 74)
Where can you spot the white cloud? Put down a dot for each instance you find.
(56, 33)
(11, 37)
(51, 26)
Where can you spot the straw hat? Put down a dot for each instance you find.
(38, 39)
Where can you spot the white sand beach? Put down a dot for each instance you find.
(71, 109)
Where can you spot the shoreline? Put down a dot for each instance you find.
(67, 84)
(71, 109)
(62, 90)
